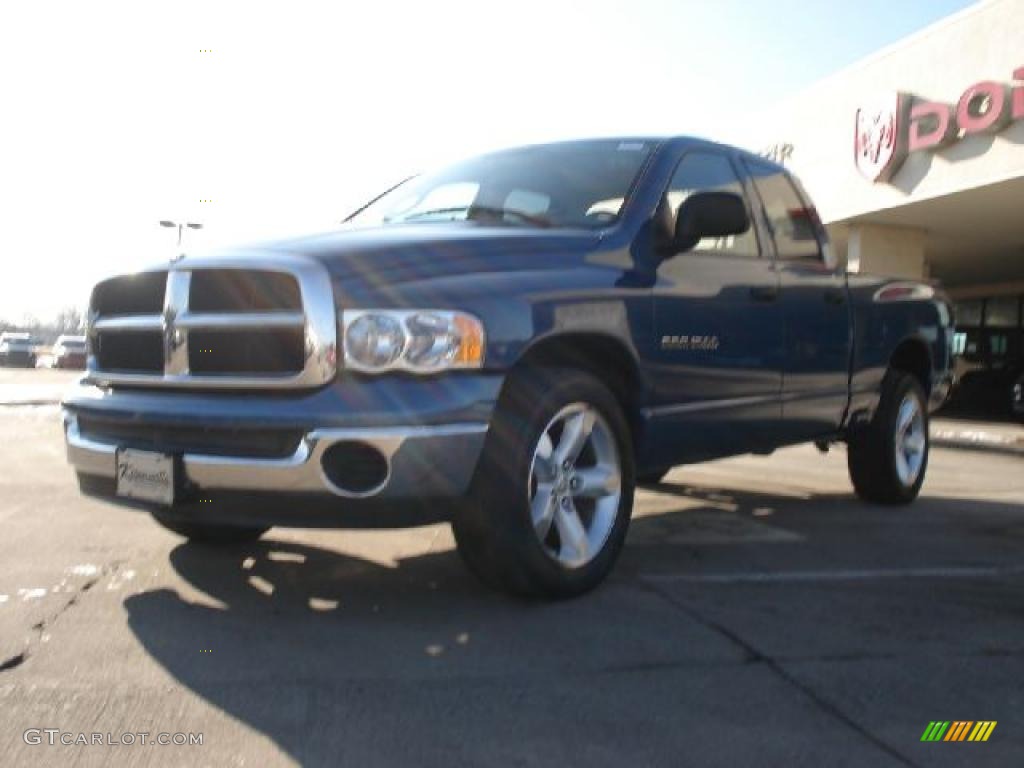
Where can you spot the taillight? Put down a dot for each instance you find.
(904, 292)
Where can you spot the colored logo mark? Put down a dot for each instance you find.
(958, 730)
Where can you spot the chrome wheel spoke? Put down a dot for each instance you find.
(542, 509)
(596, 482)
(573, 535)
(902, 467)
(910, 440)
(915, 443)
(543, 460)
(908, 410)
(578, 428)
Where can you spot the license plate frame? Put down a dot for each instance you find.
(145, 475)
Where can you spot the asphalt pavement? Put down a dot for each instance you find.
(760, 615)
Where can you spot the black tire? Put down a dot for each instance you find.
(208, 533)
(872, 458)
(495, 534)
(651, 478)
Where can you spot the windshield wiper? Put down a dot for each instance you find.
(487, 210)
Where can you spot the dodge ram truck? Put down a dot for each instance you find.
(510, 344)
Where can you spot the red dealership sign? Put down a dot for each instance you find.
(886, 132)
(880, 142)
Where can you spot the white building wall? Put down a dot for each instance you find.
(984, 42)
(887, 250)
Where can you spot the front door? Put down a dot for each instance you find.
(716, 371)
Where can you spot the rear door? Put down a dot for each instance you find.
(815, 309)
(718, 329)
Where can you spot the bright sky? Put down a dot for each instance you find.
(113, 115)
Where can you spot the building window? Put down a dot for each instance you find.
(968, 313)
(1001, 312)
(997, 345)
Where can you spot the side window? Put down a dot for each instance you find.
(708, 172)
(793, 223)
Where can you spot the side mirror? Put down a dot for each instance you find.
(709, 214)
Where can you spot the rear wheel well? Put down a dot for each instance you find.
(912, 357)
(606, 358)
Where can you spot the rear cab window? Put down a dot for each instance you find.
(792, 220)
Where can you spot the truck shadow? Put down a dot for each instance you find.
(272, 632)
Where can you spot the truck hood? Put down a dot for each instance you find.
(406, 253)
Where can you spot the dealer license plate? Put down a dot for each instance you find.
(145, 475)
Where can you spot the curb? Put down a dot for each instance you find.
(983, 443)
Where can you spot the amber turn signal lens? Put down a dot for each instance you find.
(470, 353)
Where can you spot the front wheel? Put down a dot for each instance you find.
(888, 457)
(554, 489)
(207, 533)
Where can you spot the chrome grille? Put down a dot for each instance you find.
(216, 323)
(139, 294)
(233, 290)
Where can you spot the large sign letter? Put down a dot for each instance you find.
(931, 126)
(984, 108)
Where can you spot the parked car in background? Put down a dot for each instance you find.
(68, 352)
(989, 344)
(18, 349)
(512, 343)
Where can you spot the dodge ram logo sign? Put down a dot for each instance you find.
(885, 133)
(879, 144)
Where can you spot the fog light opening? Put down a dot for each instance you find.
(352, 468)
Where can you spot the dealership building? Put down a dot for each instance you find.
(915, 158)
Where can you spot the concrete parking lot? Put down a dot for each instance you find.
(760, 616)
(39, 386)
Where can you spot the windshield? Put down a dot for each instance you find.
(579, 184)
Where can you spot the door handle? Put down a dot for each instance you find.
(764, 292)
(834, 296)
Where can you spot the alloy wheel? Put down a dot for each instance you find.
(911, 440)
(575, 485)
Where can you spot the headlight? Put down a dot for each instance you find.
(374, 341)
(418, 341)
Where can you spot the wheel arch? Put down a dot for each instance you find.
(607, 357)
(913, 356)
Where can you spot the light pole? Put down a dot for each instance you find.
(180, 226)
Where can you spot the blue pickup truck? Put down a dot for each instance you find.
(511, 344)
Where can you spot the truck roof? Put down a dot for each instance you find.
(677, 141)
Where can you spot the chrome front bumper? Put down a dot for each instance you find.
(429, 461)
